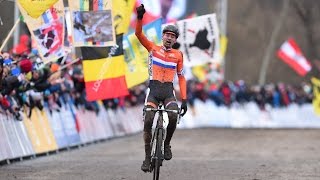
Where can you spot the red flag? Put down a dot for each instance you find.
(291, 54)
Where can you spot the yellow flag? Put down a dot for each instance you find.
(105, 68)
(316, 93)
(122, 10)
(223, 45)
(49, 24)
(36, 8)
(199, 72)
(137, 71)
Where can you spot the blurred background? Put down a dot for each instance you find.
(255, 30)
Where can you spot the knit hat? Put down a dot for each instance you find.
(25, 65)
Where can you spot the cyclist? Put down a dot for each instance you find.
(164, 63)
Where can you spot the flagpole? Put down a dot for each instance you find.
(10, 33)
(16, 16)
(66, 65)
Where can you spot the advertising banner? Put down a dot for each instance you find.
(14, 148)
(17, 148)
(24, 140)
(102, 117)
(57, 128)
(67, 117)
(117, 125)
(85, 132)
(5, 147)
(40, 132)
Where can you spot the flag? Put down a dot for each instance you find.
(104, 71)
(291, 54)
(223, 45)
(199, 40)
(35, 8)
(47, 30)
(316, 94)
(137, 56)
(104, 68)
(92, 23)
(122, 10)
(169, 11)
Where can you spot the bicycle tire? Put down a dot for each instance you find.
(158, 154)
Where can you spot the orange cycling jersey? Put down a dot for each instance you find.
(163, 63)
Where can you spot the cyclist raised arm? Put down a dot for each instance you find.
(164, 63)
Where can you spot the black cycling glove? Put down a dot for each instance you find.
(140, 11)
(183, 107)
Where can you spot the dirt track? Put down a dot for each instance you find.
(202, 154)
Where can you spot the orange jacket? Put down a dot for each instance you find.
(163, 63)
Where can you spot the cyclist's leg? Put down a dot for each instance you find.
(148, 117)
(171, 104)
(147, 129)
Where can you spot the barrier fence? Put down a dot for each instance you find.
(47, 131)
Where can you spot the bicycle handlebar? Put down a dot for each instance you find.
(166, 110)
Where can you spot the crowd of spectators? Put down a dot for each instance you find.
(237, 93)
(27, 83)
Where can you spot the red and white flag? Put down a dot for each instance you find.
(291, 54)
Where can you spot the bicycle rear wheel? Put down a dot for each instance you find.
(158, 155)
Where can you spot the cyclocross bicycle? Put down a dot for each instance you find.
(157, 143)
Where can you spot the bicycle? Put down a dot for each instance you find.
(157, 143)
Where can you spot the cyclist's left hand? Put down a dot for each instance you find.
(184, 107)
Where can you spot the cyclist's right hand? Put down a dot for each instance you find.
(140, 11)
(183, 107)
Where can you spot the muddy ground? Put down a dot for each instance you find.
(200, 154)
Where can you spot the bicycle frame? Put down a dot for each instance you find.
(157, 142)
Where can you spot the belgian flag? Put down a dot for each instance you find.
(104, 71)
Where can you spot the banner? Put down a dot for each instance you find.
(68, 115)
(136, 55)
(122, 10)
(35, 8)
(40, 132)
(57, 126)
(169, 11)
(316, 94)
(199, 40)
(107, 125)
(5, 146)
(47, 30)
(291, 54)
(23, 138)
(92, 23)
(16, 147)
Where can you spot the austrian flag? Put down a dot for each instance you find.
(291, 54)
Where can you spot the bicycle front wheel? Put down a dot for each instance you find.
(158, 155)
